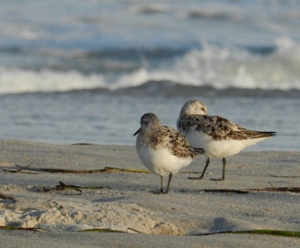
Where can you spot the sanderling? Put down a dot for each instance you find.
(163, 150)
(219, 137)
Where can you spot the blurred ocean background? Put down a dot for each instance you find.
(85, 71)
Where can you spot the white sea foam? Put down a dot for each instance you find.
(219, 67)
(224, 67)
(21, 81)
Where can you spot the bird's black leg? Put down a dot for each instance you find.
(169, 181)
(224, 165)
(161, 190)
(203, 172)
(223, 176)
(161, 185)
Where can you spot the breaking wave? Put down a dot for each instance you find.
(269, 68)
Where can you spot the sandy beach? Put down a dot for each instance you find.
(123, 201)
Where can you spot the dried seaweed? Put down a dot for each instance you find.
(270, 232)
(21, 228)
(280, 189)
(261, 232)
(7, 197)
(102, 230)
(225, 191)
(20, 170)
(54, 170)
(108, 230)
(62, 186)
(246, 191)
(270, 175)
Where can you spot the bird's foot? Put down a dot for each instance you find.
(158, 192)
(218, 180)
(195, 178)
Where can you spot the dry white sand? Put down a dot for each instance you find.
(148, 220)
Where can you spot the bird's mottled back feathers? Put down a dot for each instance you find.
(218, 128)
(171, 139)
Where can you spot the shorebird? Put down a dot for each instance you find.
(219, 137)
(163, 150)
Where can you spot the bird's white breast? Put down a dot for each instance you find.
(161, 161)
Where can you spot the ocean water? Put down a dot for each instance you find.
(76, 72)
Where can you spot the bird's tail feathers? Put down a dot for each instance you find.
(267, 134)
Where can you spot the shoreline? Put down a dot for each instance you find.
(126, 203)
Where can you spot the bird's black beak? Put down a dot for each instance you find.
(136, 132)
